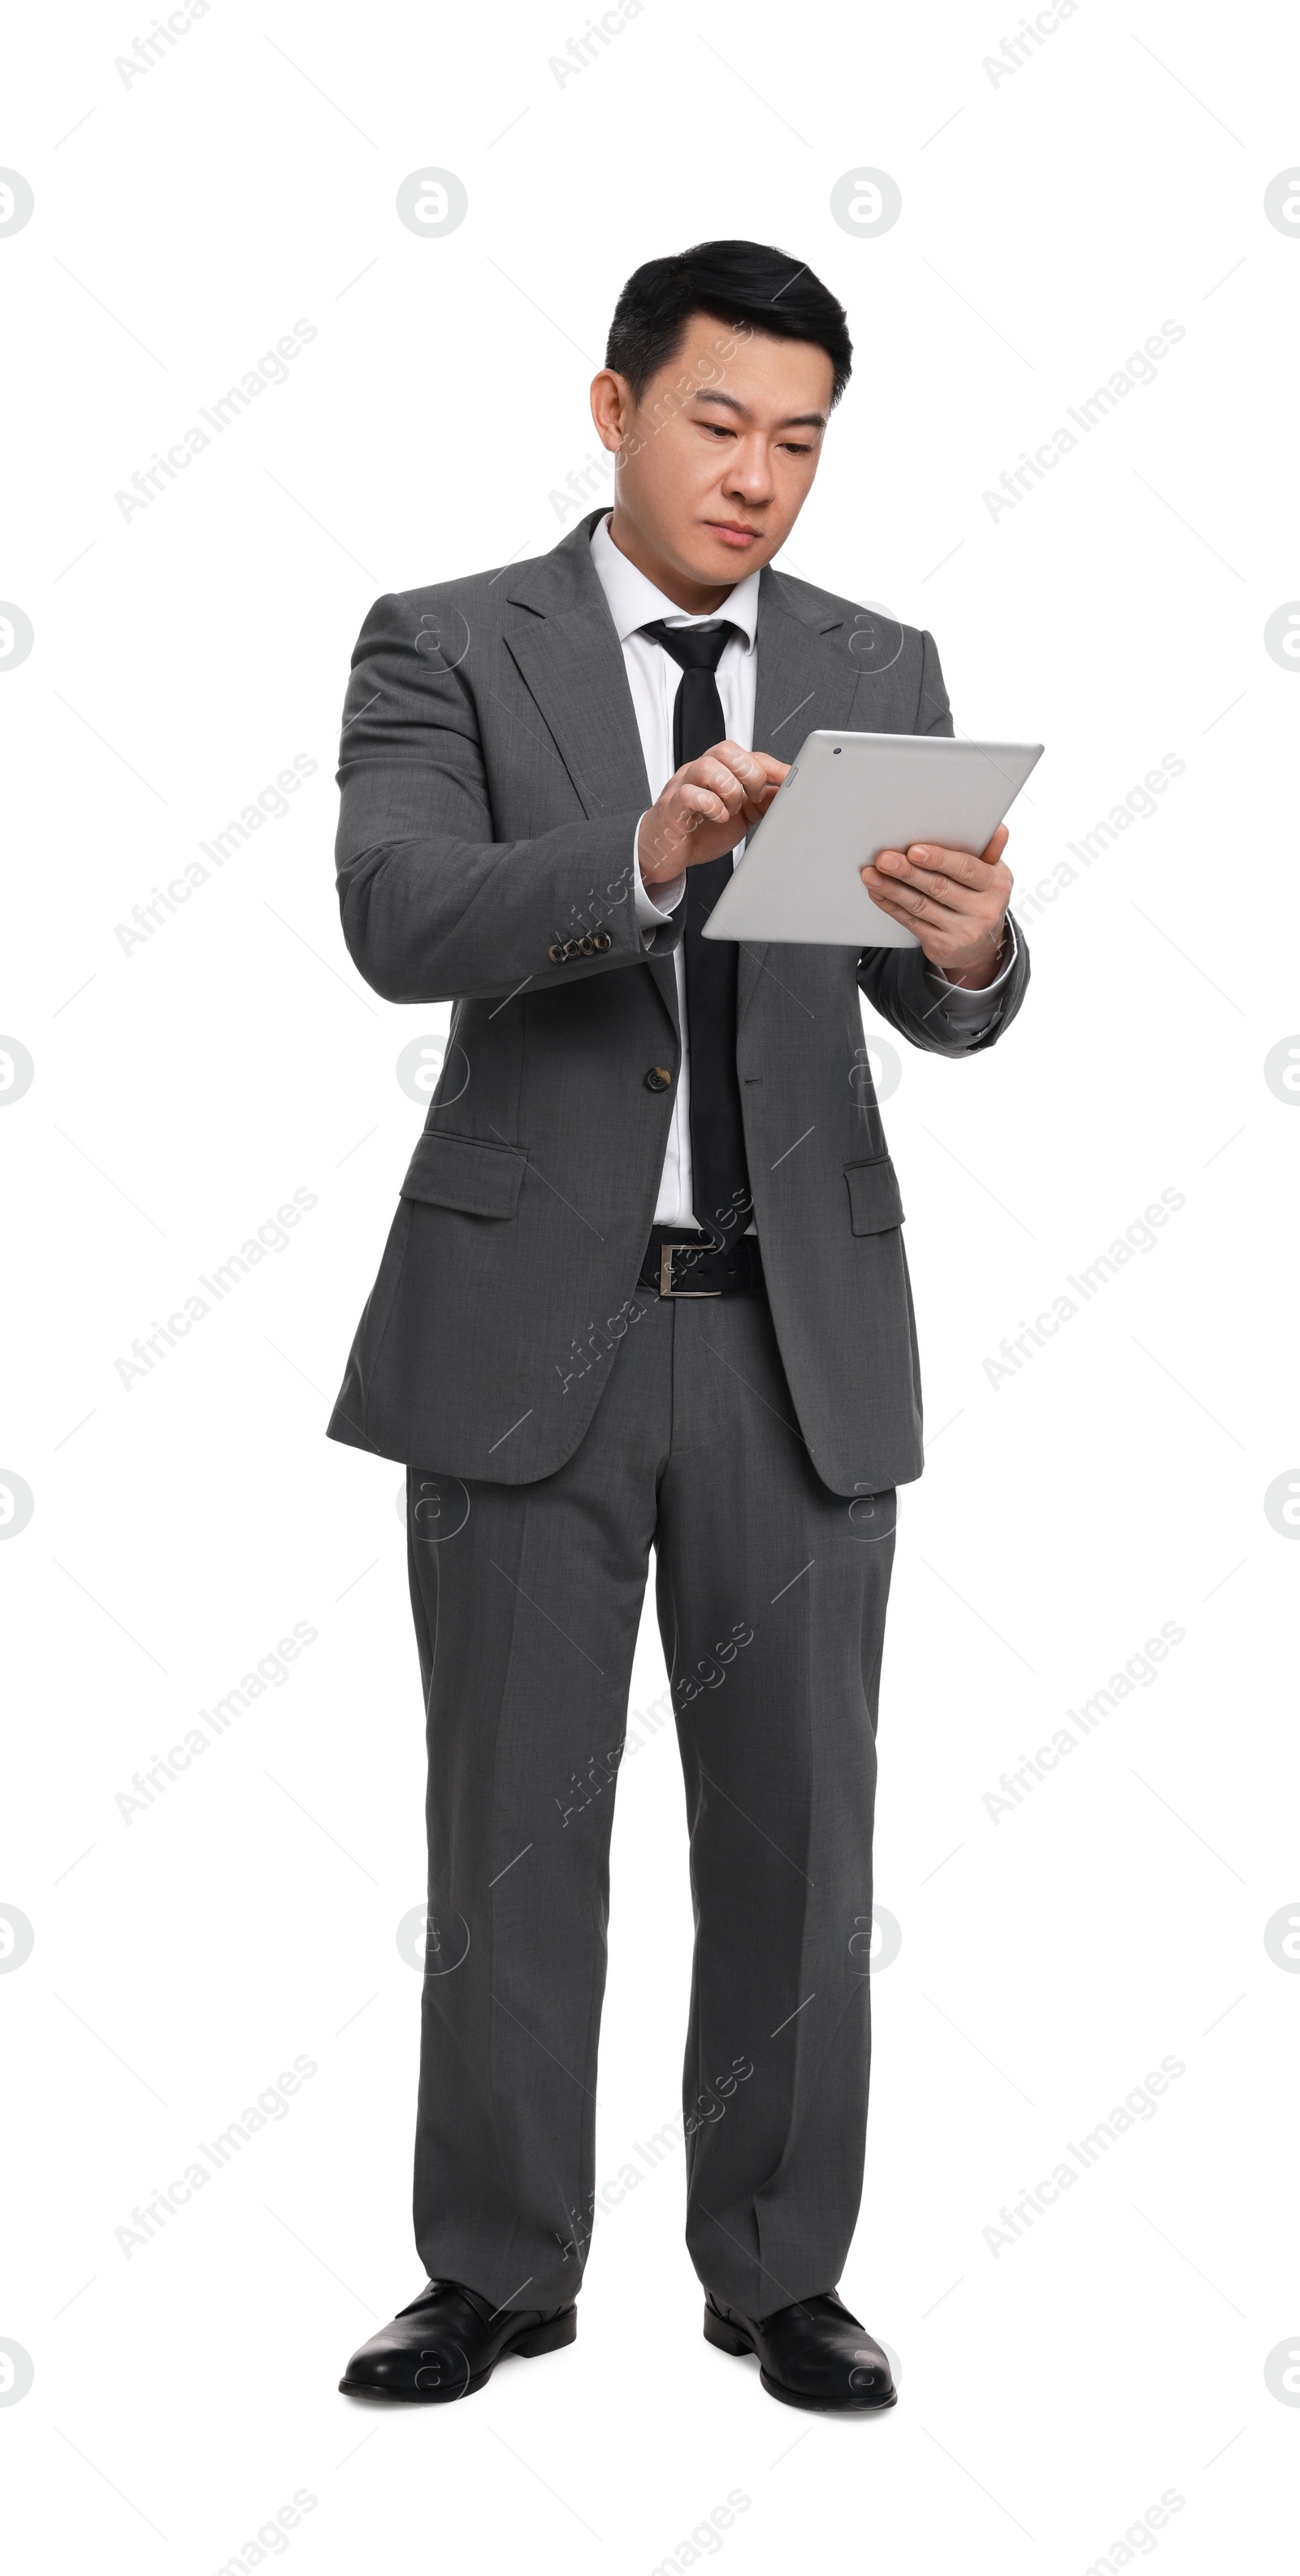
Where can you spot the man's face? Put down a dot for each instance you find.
(716, 460)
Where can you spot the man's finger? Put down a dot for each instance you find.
(748, 764)
(909, 909)
(960, 866)
(706, 803)
(710, 772)
(960, 862)
(961, 900)
(759, 793)
(935, 897)
(920, 909)
(917, 912)
(963, 865)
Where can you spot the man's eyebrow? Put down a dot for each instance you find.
(796, 420)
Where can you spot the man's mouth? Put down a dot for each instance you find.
(733, 532)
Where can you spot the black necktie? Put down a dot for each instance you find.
(720, 1190)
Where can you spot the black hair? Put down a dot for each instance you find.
(745, 284)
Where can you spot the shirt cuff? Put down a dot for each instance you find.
(967, 1010)
(653, 913)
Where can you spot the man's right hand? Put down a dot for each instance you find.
(707, 806)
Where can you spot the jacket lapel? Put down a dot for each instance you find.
(571, 664)
(567, 653)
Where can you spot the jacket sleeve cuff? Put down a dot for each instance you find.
(973, 1011)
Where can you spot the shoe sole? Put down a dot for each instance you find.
(528, 2345)
(730, 2339)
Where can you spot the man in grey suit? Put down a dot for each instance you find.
(645, 1287)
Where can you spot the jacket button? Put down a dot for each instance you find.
(555, 953)
(658, 1078)
(601, 941)
(587, 946)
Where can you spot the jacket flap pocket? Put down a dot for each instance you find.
(874, 1201)
(466, 1172)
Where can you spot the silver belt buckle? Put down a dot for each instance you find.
(666, 1288)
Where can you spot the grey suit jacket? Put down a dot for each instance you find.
(491, 777)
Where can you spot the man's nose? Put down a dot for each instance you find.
(748, 471)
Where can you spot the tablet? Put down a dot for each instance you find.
(847, 797)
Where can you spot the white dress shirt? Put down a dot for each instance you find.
(654, 678)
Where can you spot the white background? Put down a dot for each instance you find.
(1051, 2391)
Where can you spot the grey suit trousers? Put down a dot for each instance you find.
(771, 1597)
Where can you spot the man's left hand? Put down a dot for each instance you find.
(955, 904)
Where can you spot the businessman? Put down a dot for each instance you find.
(646, 1288)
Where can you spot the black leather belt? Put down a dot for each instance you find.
(682, 1263)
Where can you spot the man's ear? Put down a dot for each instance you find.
(612, 408)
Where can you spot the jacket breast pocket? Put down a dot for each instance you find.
(466, 1172)
(874, 1200)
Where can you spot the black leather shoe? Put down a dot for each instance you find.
(448, 2343)
(812, 2354)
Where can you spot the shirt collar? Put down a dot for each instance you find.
(634, 601)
